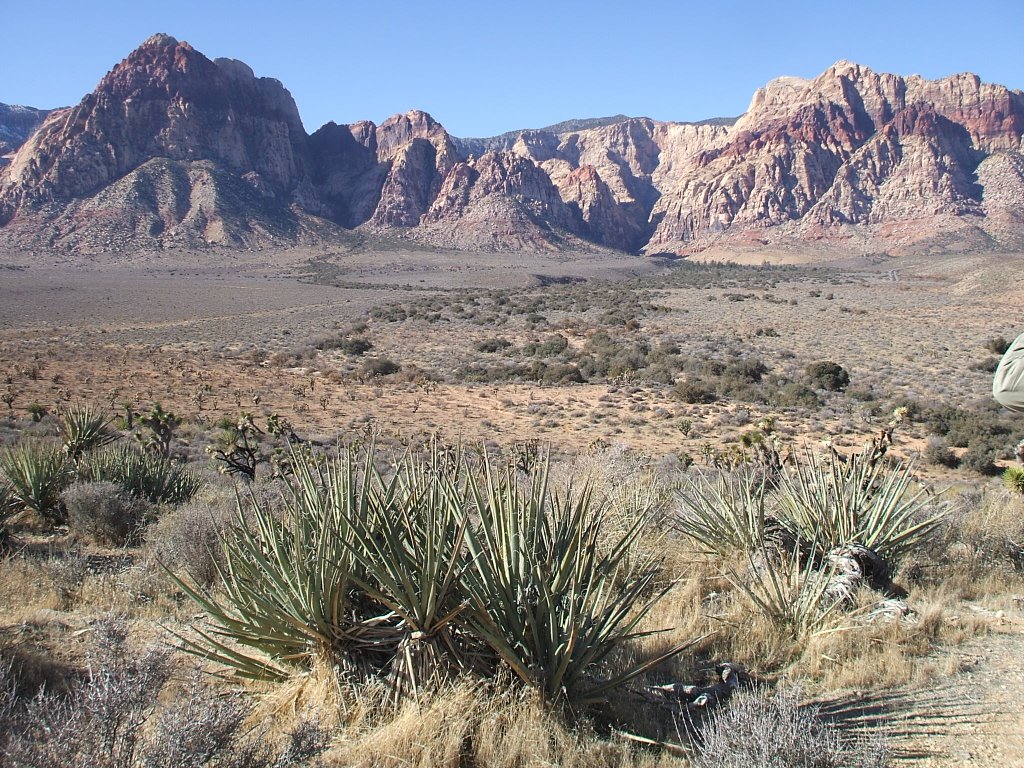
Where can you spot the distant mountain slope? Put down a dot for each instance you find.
(17, 123)
(173, 148)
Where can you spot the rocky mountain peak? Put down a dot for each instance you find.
(173, 145)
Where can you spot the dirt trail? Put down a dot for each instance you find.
(974, 718)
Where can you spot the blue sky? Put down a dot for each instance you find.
(482, 68)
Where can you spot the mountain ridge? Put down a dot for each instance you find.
(175, 149)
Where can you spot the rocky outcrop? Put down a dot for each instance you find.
(17, 123)
(173, 147)
(166, 102)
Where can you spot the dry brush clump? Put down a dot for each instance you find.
(115, 713)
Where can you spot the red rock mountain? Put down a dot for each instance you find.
(175, 149)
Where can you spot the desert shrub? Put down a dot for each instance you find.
(987, 365)
(775, 731)
(694, 391)
(793, 394)
(187, 539)
(828, 376)
(349, 345)
(748, 371)
(938, 453)
(551, 346)
(99, 722)
(982, 455)
(556, 373)
(997, 345)
(961, 426)
(492, 345)
(37, 474)
(102, 511)
(493, 373)
(378, 366)
(205, 728)
(113, 718)
(145, 476)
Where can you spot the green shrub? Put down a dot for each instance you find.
(936, 452)
(828, 376)
(144, 476)
(492, 345)
(982, 455)
(38, 473)
(349, 345)
(795, 395)
(551, 346)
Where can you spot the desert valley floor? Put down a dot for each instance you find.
(219, 333)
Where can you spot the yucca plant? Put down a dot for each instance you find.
(410, 546)
(84, 430)
(724, 514)
(836, 500)
(289, 596)
(145, 476)
(1013, 479)
(37, 474)
(789, 591)
(543, 594)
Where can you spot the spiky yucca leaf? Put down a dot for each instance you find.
(543, 592)
(7, 501)
(144, 476)
(835, 501)
(789, 591)
(84, 430)
(724, 514)
(410, 549)
(288, 578)
(1013, 478)
(37, 473)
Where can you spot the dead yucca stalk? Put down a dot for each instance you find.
(544, 593)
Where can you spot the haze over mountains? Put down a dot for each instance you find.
(173, 149)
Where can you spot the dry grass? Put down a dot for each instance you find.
(205, 356)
